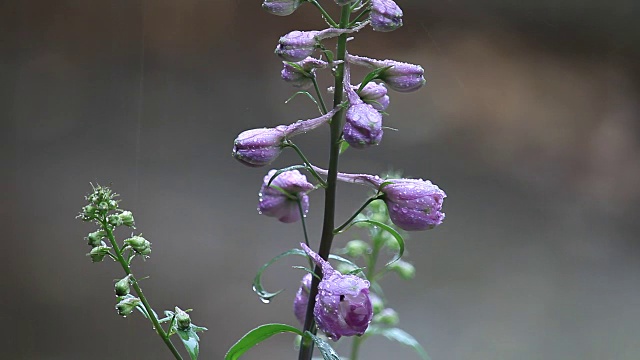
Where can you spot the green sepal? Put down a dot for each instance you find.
(400, 336)
(343, 146)
(266, 296)
(255, 336)
(325, 348)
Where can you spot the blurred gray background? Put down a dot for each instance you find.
(529, 122)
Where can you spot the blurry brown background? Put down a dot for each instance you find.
(529, 122)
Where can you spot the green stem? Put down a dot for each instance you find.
(295, 147)
(326, 15)
(306, 346)
(369, 201)
(315, 85)
(125, 266)
(304, 229)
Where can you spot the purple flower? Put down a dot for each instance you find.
(413, 204)
(300, 74)
(259, 147)
(343, 307)
(280, 7)
(402, 77)
(363, 123)
(297, 45)
(386, 15)
(280, 199)
(302, 298)
(375, 95)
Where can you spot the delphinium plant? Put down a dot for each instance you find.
(342, 300)
(103, 209)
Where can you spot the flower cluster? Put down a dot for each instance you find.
(340, 303)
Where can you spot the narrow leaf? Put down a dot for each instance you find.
(400, 336)
(371, 76)
(391, 231)
(325, 348)
(191, 342)
(255, 336)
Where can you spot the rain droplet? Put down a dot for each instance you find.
(265, 301)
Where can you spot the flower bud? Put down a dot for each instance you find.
(114, 220)
(127, 305)
(301, 73)
(98, 253)
(404, 269)
(280, 7)
(122, 286)
(363, 123)
(183, 321)
(280, 199)
(386, 15)
(139, 244)
(387, 316)
(402, 77)
(89, 212)
(413, 204)
(357, 248)
(95, 238)
(302, 298)
(259, 147)
(127, 218)
(297, 45)
(375, 95)
(343, 307)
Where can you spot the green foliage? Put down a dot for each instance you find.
(255, 336)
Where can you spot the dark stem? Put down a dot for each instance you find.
(125, 266)
(306, 346)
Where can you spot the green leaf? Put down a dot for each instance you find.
(388, 229)
(255, 336)
(191, 342)
(343, 147)
(266, 296)
(400, 336)
(325, 348)
(371, 76)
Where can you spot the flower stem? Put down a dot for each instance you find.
(369, 201)
(306, 346)
(326, 15)
(125, 266)
(320, 98)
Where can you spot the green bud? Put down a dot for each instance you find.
(93, 198)
(88, 213)
(127, 305)
(139, 244)
(357, 248)
(95, 238)
(103, 206)
(98, 253)
(112, 204)
(182, 319)
(127, 218)
(114, 220)
(390, 242)
(376, 303)
(404, 269)
(122, 286)
(387, 316)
